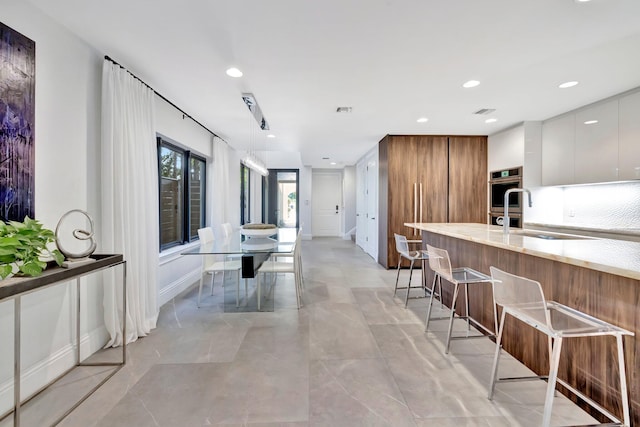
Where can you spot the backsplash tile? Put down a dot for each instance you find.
(603, 206)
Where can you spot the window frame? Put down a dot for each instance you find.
(187, 156)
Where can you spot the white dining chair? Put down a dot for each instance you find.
(212, 265)
(294, 266)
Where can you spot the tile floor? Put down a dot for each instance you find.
(352, 356)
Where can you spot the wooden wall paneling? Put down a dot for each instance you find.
(433, 173)
(468, 179)
(589, 364)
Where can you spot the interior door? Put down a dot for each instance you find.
(326, 203)
(372, 206)
(361, 206)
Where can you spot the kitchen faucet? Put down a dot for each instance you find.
(506, 221)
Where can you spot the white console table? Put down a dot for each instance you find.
(14, 288)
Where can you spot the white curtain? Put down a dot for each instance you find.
(129, 201)
(220, 209)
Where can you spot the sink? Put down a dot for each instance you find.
(549, 236)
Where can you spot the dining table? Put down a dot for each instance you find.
(252, 251)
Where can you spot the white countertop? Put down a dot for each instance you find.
(618, 257)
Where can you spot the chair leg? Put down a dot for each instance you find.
(551, 385)
(237, 292)
(453, 315)
(258, 286)
(466, 303)
(496, 358)
(426, 322)
(397, 275)
(623, 381)
(200, 290)
(406, 299)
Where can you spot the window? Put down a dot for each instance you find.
(245, 204)
(182, 194)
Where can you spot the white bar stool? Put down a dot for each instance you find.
(402, 246)
(440, 263)
(523, 299)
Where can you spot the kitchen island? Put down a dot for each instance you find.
(600, 277)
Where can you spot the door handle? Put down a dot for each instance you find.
(336, 208)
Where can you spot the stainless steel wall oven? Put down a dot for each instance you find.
(499, 182)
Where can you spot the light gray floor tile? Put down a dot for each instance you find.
(351, 356)
(357, 392)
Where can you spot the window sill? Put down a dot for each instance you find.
(173, 253)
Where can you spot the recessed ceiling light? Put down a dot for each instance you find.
(333, 163)
(590, 122)
(581, 1)
(422, 120)
(234, 72)
(491, 120)
(567, 84)
(271, 135)
(471, 83)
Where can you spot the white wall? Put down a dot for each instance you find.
(67, 133)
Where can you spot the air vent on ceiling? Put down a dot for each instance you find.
(485, 111)
(344, 109)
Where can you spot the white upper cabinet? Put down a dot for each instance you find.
(558, 150)
(596, 155)
(629, 137)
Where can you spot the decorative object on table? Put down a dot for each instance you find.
(17, 125)
(258, 230)
(76, 258)
(24, 248)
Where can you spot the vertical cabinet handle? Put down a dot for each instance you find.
(421, 206)
(415, 205)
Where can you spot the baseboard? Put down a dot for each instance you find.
(44, 371)
(176, 287)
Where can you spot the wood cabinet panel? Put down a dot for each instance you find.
(433, 174)
(468, 179)
(453, 174)
(403, 180)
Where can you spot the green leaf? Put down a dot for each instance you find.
(32, 268)
(57, 255)
(5, 270)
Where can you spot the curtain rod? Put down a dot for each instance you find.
(184, 114)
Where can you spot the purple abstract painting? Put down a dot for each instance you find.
(17, 114)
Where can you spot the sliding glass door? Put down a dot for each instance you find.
(280, 198)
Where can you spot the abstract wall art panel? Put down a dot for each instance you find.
(17, 114)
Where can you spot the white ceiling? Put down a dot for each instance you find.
(393, 61)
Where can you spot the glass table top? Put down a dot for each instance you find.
(236, 243)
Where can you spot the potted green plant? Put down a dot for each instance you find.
(24, 248)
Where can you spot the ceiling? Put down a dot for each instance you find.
(393, 61)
